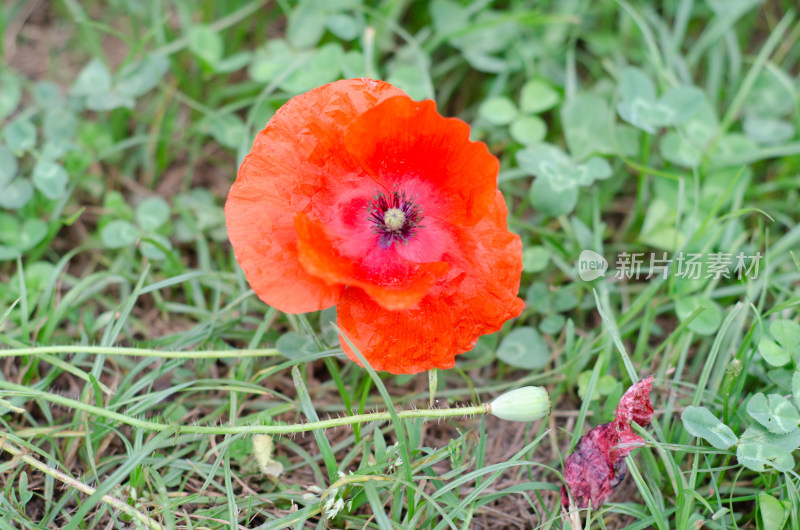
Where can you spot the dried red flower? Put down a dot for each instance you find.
(355, 194)
(597, 465)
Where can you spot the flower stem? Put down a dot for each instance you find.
(11, 389)
(140, 352)
(119, 504)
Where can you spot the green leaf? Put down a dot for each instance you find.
(448, 16)
(7, 254)
(498, 110)
(8, 166)
(772, 353)
(93, 80)
(23, 236)
(635, 84)
(47, 94)
(16, 194)
(141, 76)
(10, 93)
(705, 323)
(50, 179)
(702, 127)
(587, 123)
(206, 44)
(109, 101)
(60, 125)
(152, 213)
(487, 34)
(119, 234)
(766, 130)
(553, 199)
(796, 389)
(700, 422)
(731, 148)
(565, 300)
(484, 62)
(306, 24)
(524, 348)
(353, 65)
(604, 385)
(772, 94)
(344, 26)
(410, 79)
(234, 62)
(528, 130)
(627, 140)
(155, 247)
(759, 449)
(772, 513)
(596, 168)
(20, 135)
(549, 162)
(675, 149)
(293, 344)
(787, 335)
(323, 66)
(639, 107)
(535, 258)
(683, 102)
(33, 232)
(227, 129)
(774, 412)
(553, 324)
(537, 96)
(538, 297)
(270, 61)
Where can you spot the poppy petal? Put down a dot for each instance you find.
(392, 281)
(476, 297)
(291, 160)
(409, 144)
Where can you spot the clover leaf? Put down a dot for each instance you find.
(587, 122)
(774, 412)
(50, 178)
(555, 190)
(524, 348)
(707, 320)
(700, 422)
(537, 96)
(758, 449)
(640, 106)
(786, 344)
(796, 389)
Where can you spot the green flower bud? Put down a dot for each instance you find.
(528, 403)
(734, 368)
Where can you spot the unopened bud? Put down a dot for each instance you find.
(734, 368)
(528, 403)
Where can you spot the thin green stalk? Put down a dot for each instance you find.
(119, 504)
(11, 389)
(140, 352)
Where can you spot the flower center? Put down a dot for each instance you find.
(394, 216)
(394, 219)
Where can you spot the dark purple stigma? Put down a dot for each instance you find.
(395, 217)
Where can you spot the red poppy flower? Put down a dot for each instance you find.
(358, 195)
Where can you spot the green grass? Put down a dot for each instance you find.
(137, 364)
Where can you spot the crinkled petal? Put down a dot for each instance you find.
(478, 294)
(635, 405)
(390, 280)
(597, 464)
(407, 143)
(292, 159)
